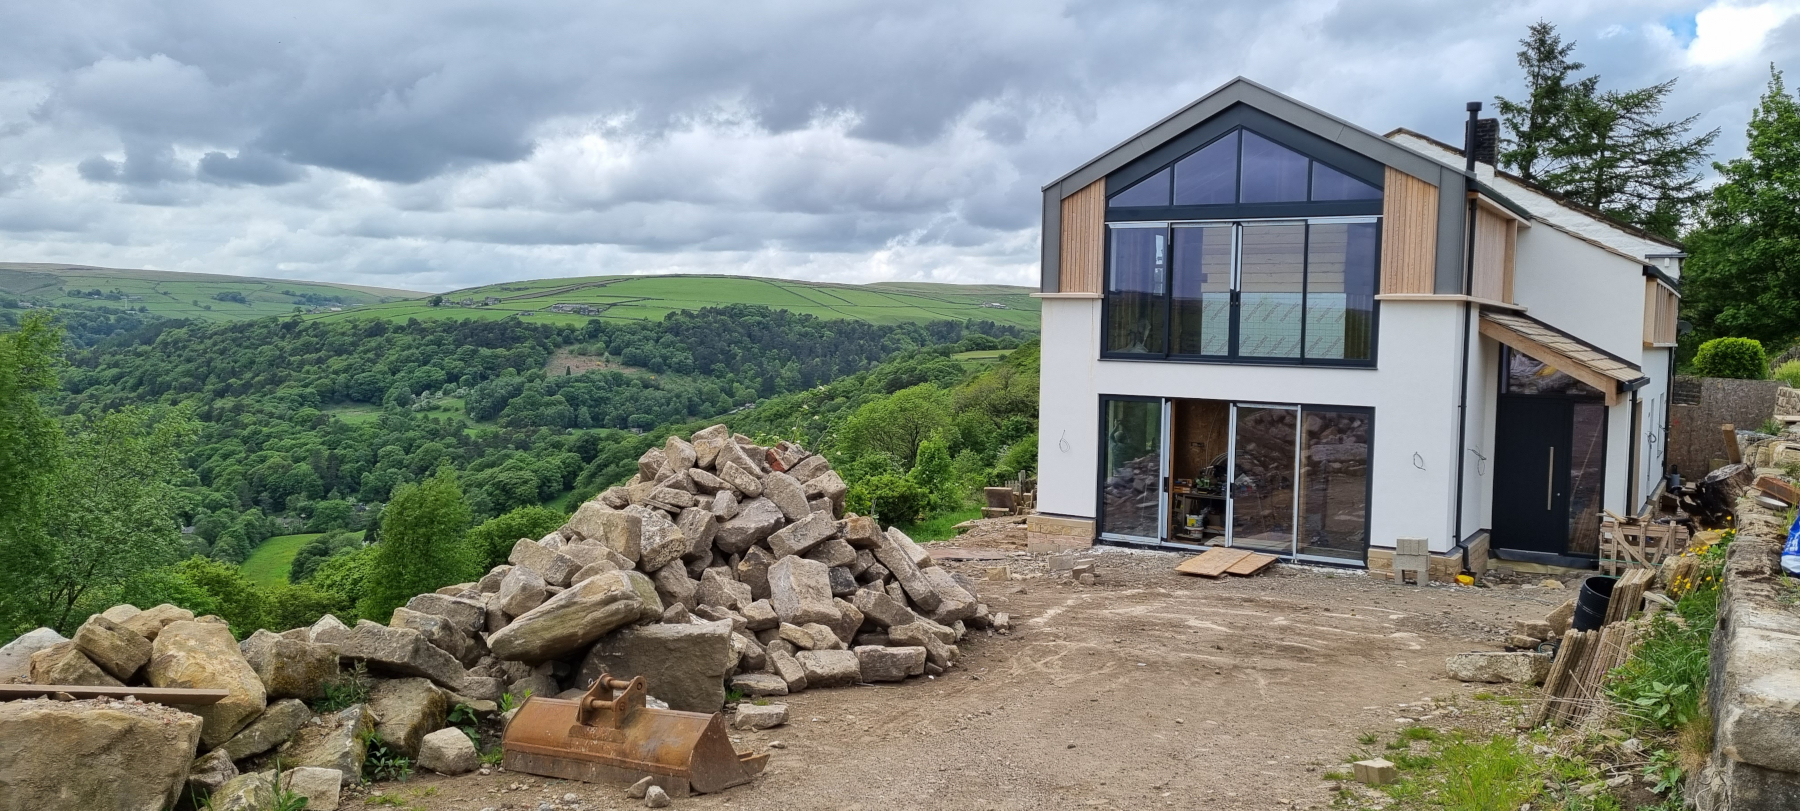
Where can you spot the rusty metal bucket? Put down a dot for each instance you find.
(604, 737)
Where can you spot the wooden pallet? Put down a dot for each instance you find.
(1634, 545)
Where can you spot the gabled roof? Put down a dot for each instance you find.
(1553, 196)
(1244, 91)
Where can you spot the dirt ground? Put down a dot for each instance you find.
(1147, 689)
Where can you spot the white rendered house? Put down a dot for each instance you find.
(1266, 327)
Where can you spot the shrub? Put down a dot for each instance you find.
(1739, 358)
(492, 540)
(1789, 374)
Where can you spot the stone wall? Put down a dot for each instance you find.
(1753, 690)
(1049, 533)
(1701, 404)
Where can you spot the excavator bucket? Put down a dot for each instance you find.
(608, 737)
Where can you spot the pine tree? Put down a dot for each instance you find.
(1606, 150)
(422, 544)
(1744, 263)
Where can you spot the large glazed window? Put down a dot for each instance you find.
(1243, 167)
(1131, 475)
(1286, 291)
(1135, 291)
(1200, 314)
(1334, 482)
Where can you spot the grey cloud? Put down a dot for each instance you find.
(248, 166)
(424, 142)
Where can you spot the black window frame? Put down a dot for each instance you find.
(1339, 158)
(1232, 357)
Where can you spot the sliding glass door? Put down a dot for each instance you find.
(1131, 469)
(1261, 508)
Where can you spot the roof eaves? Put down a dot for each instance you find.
(1248, 90)
(1554, 196)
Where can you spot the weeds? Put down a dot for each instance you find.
(345, 690)
(285, 799)
(1660, 685)
(462, 716)
(492, 757)
(383, 763)
(509, 702)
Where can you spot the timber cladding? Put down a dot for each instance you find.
(1084, 239)
(1494, 237)
(1409, 214)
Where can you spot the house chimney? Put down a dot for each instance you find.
(1474, 108)
(1487, 141)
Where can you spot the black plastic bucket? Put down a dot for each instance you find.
(1590, 605)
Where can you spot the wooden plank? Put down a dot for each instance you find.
(1733, 454)
(159, 695)
(1084, 239)
(1544, 354)
(1409, 211)
(1251, 564)
(1213, 562)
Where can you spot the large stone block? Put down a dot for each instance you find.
(674, 587)
(448, 751)
(64, 663)
(879, 664)
(618, 530)
(802, 535)
(758, 685)
(406, 710)
(150, 622)
(556, 568)
(684, 665)
(290, 668)
(119, 651)
(576, 617)
(719, 589)
(759, 615)
(93, 755)
(273, 728)
(651, 463)
(401, 652)
(744, 480)
(753, 571)
(800, 591)
(892, 552)
(1523, 667)
(829, 668)
(15, 656)
(829, 486)
(787, 494)
(862, 532)
(338, 741)
(700, 526)
(955, 603)
(204, 654)
(808, 468)
(835, 552)
(663, 542)
(466, 614)
(724, 505)
(441, 633)
(756, 520)
(521, 590)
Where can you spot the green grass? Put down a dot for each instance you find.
(269, 563)
(1460, 771)
(642, 298)
(938, 528)
(174, 294)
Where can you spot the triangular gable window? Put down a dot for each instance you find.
(1331, 184)
(1151, 191)
(1243, 167)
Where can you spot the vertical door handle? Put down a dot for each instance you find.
(1550, 481)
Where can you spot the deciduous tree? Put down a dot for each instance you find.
(422, 544)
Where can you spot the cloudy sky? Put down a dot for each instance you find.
(441, 144)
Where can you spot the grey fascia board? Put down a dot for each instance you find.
(1050, 261)
(1452, 228)
(1245, 91)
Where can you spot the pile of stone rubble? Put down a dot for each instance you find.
(722, 566)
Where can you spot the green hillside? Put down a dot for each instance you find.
(647, 298)
(181, 295)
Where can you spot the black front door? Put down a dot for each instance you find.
(1532, 438)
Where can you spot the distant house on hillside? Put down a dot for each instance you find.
(1266, 327)
(578, 309)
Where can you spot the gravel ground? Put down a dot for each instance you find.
(1148, 689)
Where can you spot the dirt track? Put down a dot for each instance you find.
(1146, 690)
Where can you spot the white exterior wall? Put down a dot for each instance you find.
(1598, 296)
(1412, 390)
